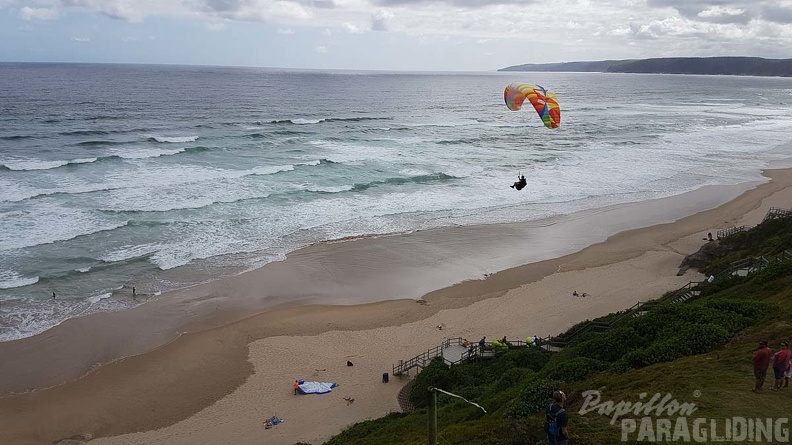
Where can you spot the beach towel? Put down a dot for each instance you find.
(316, 387)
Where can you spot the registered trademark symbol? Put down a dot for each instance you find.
(697, 393)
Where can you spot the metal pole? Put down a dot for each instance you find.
(432, 415)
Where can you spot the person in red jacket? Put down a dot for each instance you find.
(781, 364)
(761, 360)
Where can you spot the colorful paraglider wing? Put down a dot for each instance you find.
(544, 102)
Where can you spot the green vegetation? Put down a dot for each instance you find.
(698, 351)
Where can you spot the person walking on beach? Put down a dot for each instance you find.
(781, 365)
(134, 292)
(761, 360)
(556, 420)
(53, 296)
(296, 387)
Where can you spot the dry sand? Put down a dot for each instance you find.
(218, 385)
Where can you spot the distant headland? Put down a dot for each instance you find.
(733, 66)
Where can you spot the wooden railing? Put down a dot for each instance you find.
(776, 212)
(731, 231)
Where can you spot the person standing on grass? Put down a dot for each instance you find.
(781, 364)
(761, 360)
(556, 420)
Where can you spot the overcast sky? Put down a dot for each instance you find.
(389, 34)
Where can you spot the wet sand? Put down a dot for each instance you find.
(216, 384)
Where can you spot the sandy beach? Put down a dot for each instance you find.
(207, 365)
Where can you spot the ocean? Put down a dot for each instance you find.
(162, 177)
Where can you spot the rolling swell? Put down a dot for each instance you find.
(16, 137)
(98, 142)
(84, 133)
(420, 179)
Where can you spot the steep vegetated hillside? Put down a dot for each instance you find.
(697, 352)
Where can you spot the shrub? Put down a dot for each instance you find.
(436, 374)
(692, 339)
(533, 398)
(572, 369)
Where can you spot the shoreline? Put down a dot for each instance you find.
(185, 376)
(358, 271)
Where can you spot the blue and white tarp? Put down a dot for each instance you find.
(316, 387)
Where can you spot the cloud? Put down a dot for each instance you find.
(28, 13)
(458, 3)
(777, 13)
(321, 49)
(130, 10)
(379, 19)
(351, 28)
(715, 11)
(80, 39)
(285, 31)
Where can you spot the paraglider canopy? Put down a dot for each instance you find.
(544, 101)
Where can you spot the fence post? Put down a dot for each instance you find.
(432, 416)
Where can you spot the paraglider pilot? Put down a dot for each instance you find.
(521, 182)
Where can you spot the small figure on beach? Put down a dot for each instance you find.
(440, 327)
(53, 296)
(711, 279)
(296, 387)
(761, 360)
(134, 292)
(349, 400)
(482, 342)
(575, 294)
(350, 363)
(709, 236)
(521, 182)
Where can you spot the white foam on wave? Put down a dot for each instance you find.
(306, 121)
(29, 317)
(83, 269)
(97, 298)
(10, 279)
(143, 153)
(350, 152)
(45, 223)
(83, 161)
(129, 252)
(190, 188)
(31, 164)
(175, 139)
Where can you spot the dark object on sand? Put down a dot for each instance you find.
(385, 377)
(350, 363)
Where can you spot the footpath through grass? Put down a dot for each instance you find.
(697, 353)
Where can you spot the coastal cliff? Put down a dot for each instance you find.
(734, 66)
